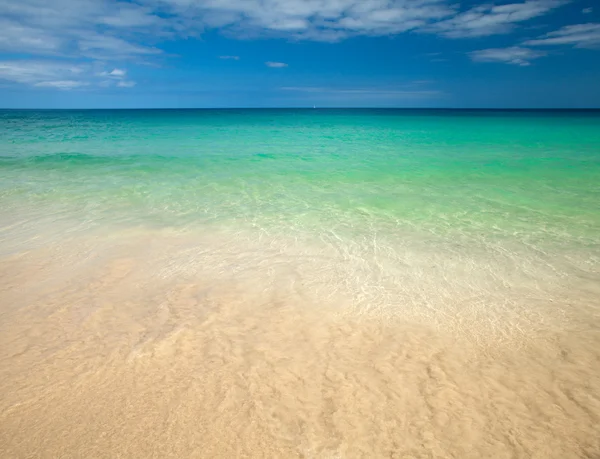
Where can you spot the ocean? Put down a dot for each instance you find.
(300, 283)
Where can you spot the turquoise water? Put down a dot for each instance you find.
(452, 217)
(387, 205)
(533, 177)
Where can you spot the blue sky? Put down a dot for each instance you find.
(299, 53)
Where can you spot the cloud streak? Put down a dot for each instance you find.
(61, 75)
(40, 73)
(276, 65)
(116, 77)
(126, 84)
(121, 30)
(61, 84)
(579, 36)
(78, 28)
(334, 20)
(383, 92)
(492, 20)
(111, 32)
(514, 55)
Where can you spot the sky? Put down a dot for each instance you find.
(299, 53)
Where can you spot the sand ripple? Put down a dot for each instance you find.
(111, 352)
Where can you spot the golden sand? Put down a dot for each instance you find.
(107, 350)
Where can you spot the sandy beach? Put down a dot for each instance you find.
(107, 351)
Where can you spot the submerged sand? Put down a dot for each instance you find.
(127, 348)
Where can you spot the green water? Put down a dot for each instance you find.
(530, 176)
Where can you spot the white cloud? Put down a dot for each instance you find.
(234, 58)
(578, 35)
(39, 73)
(587, 10)
(120, 30)
(115, 73)
(61, 75)
(104, 47)
(276, 65)
(110, 32)
(492, 20)
(115, 77)
(61, 84)
(78, 27)
(118, 73)
(325, 20)
(513, 55)
(15, 37)
(126, 84)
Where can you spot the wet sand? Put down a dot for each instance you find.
(121, 349)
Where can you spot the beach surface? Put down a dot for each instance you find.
(299, 283)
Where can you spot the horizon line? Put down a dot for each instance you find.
(313, 108)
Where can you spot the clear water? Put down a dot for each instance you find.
(390, 193)
(530, 176)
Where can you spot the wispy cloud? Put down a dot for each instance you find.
(60, 75)
(587, 10)
(119, 30)
(115, 73)
(384, 92)
(579, 36)
(79, 27)
(126, 84)
(233, 58)
(103, 47)
(41, 73)
(276, 65)
(323, 20)
(492, 20)
(116, 77)
(62, 84)
(514, 55)
(100, 33)
(16, 37)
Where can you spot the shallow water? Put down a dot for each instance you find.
(299, 283)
